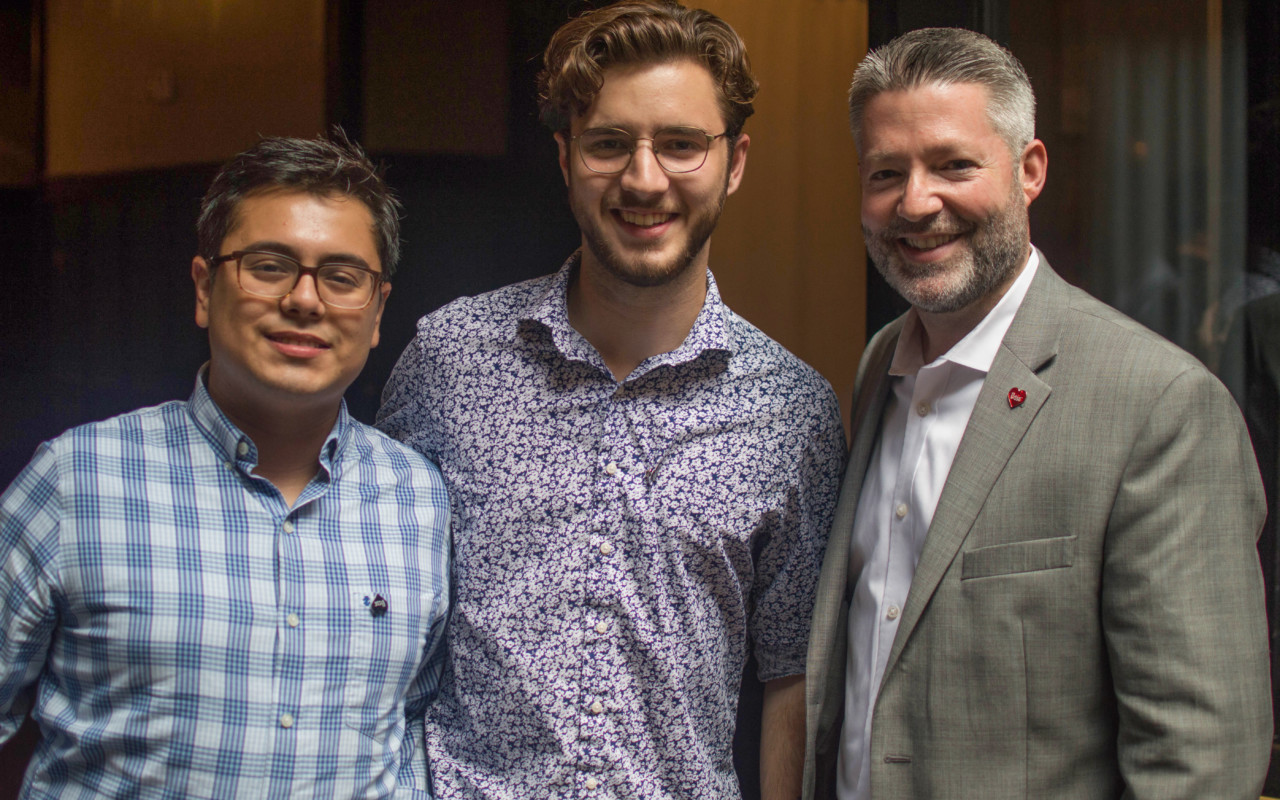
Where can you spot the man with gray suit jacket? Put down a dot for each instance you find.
(1042, 579)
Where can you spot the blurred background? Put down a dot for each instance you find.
(1162, 123)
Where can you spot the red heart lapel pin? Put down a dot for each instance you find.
(1016, 397)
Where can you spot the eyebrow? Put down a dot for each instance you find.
(292, 252)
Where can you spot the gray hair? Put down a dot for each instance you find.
(946, 56)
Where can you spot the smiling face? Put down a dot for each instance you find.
(944, 203)
(293, 353)
(645, 226)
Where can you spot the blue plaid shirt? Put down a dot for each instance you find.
(618, 545)
(177, 631)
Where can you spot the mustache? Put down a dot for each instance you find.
(934, 226)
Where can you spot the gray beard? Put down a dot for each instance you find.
(998, 248)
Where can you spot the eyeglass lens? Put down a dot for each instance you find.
(274, 275)
(608, 150)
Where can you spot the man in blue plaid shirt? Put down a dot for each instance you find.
(242, 595)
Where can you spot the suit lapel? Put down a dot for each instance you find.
(994, 431)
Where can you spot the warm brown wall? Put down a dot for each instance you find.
(435, 82)
(138, 84)
(788, 253)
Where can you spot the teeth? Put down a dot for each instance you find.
(644, 220)
(928, 242)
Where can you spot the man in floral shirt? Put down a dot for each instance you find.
(642, 482)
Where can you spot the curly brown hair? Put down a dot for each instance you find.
(635, 32)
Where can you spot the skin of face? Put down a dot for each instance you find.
(944, 202)
(294, 353)
(645, 226)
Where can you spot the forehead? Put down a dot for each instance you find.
(284, 215)
(650, 95)
(934, 115)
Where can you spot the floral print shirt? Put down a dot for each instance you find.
(618, 545)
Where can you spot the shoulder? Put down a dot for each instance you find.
(391, 461)
(84, 460)
(159, 426)
(483, 315)
(770, 382)
(758, 356)
(1118, 350)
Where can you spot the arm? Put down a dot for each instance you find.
(1182, 602)
(28, 547)
(782, 738)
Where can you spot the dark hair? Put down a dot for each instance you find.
(324, 166)
(634, 32)
(946, 56)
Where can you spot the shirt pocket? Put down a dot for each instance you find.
(1036, 555)
(386, 650)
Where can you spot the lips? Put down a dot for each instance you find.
(298, 345)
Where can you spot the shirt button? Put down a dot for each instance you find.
(611, 468)
(596, 708)
(286, 720)
(242, 448)
(592, 783)
(901, 510)
(922, 408)
(893, 612)
(601, 628)
(288, 526)
(228, 465)
(606, 549)
(293, 620)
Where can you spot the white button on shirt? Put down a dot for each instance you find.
(900, 490)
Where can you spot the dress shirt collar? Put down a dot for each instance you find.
(977, 350)
(226, 437)
(710, 330)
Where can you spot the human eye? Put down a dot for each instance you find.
(881, 176)
(681, 143)
(344, 277)
(606, 143)
(959, 165)
(268, 266)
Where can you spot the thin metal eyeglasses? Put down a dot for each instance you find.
(608, 151)
(275, 275)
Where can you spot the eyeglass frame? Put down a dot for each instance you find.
(314, 272)
(635, 145)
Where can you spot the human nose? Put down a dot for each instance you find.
(304, 298)
(644, 175)
(919, 198)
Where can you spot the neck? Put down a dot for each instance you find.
(627, 324)
(288, 441)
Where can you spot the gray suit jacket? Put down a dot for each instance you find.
(1086, 619)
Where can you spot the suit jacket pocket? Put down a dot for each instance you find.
(1008, 559)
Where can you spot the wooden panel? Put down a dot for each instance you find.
(788, 253)
(138, 84)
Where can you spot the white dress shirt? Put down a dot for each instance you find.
(924, 419)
